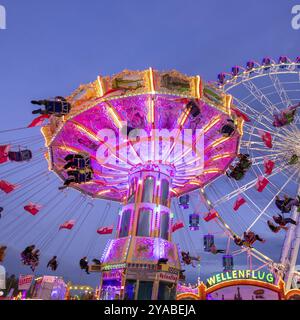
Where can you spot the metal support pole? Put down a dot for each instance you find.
(291, 248)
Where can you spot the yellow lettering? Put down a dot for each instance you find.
(234, 274)
(223, 277)
(211, 281)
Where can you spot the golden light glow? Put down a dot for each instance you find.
(100, 88)
(183, 117)
(114, 115)
(179, 184)
(211, 124)
(173, 191)
(47, 135)
(212, 171)
(198, 82)
(222, 156)
(151, 110)
(100, 193)
(151, 80)
(86, 131)
(219, 141)
(69, 149)
(227, 101)
(195, 183)
(240, 126)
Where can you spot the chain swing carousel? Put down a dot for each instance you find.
(153, 142)
(149, 137)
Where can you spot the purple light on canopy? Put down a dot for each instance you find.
(145, 107)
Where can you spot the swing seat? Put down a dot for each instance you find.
(20, 156)
(58, 107)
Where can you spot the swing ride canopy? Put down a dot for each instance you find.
(137, 118)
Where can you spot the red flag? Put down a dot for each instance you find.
(39, 120)
(33, 208)
(105, 230)
(261, 183)
(177, 225)
(266, 138)
(4, 153)
(7, 187)
(240, 114)
(268, 166)
(212, 214)
(238, 203)
(67, 225)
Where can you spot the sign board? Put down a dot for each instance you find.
(49, 279)
(2, 278)
(95, 268)
(25, 282)
(240, 275)
(164, 276)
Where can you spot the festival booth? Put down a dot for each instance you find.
(239, 285)
(49, 288)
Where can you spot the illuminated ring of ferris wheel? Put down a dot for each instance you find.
(260, 91)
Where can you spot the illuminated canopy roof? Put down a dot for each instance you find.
(155, 104)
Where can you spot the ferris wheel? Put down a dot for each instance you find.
(247, 199)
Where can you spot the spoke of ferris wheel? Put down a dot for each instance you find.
(264, 150)
(283, 144)
(272, 201)
(255, 205)
(269, 156)
(255, 146)
(245, 187)
(258, 94)
(280, 90)
(274, 133)
(249, 129)
(259, 115)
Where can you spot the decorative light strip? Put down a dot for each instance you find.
(212, 171)
(114, 115)
(219, 141)
(221, 156)
(211, 124)
(85, 130)
(198, 83)
(114, 266)
(100, 86)
(100, 193)
(151, 81)
(151, 111)
(173, 191)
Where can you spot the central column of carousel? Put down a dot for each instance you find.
(142, 263)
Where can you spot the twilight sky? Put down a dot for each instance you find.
(50, 47)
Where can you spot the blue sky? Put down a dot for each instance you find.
(51, 47)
